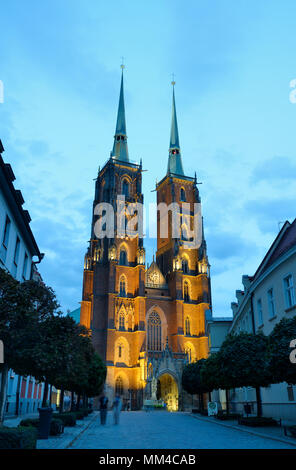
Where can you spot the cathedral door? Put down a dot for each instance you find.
(168, 391)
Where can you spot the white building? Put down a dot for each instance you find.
(266, 298)
(18, 254)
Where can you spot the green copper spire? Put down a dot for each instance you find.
(175, 163)
(120, 151)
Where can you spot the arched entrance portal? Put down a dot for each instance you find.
(167, 390)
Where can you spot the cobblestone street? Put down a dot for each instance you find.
(164, 430)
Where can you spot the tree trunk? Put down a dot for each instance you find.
(72, 401)
(84, 401)
(3, 392)
(78, 402)
(45, 393)
(50, 393)
(201, 402)
(259, 402)
(61, 407)
(227, 401)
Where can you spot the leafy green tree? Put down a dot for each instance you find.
(192, 382)
(22, 306)
(70, 368)
(242, 362)
(81, 369)
(56, 356)
(281, 367)
(96, 376)
(211, 376)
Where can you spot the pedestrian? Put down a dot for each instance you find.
(117, 405)
(103, 408)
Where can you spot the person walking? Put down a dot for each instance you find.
(103, 408)
(117, 405)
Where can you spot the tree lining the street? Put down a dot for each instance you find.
(192, 382)
(22, 306)
(243, 362)
(247, 360)
(281, 363)
(40, 342)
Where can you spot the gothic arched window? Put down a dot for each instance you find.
(182, 195)
(122, 287)
(122, 257)
(154, 332)
(125, 188)
(187, 326)
(186, 292)
(119, 386)
(185, 232)
(121, 321)
(184, 265)
(188, 352)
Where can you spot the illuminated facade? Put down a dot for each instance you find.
(146, 323)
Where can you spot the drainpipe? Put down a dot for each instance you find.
(258, 390)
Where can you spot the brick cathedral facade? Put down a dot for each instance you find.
(146, 322)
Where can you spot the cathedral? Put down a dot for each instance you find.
(146, 322)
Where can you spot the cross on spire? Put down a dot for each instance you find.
(175, 163)
(120, 150)
(173, 79)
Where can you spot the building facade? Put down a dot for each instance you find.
(18, 251)
(267, 297)
(146, 322)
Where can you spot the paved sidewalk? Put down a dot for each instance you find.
(269, 432)
(62, 441)
(70, 434)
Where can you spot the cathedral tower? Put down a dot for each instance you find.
(146, 324)
(185, 266)
(113, 304)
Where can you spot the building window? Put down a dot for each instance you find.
(122, 287)
(25, 267)
(125, 188)
(259, 311)
(290, 393)
(184, 265)
(271, 304)
(190, 353)
(122, 258)
(187, 326)
(6, 231)
(186, 292)
(5, 239)
(289, 291)
(182, 195)
(119, 351)
(184, 232)
(16, 256)
(119, 386)
(154, 332)
(121, 321)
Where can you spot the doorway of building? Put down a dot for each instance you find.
(167, 390)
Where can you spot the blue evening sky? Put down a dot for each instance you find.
(233, 61)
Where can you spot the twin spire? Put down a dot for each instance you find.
(175, 163)
(120, 150)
